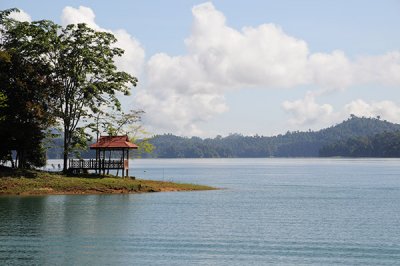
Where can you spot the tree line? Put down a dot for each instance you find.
(354, 137)
(291, 144)
(57, 79)
(386, 145)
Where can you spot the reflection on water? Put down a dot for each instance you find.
(272, 211)
(37, 230)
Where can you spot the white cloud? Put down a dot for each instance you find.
(82, 14)
(306, 112)
(180, 114)
(261, 56)
(20, 16)
(191, 87)
(220, 58)
(336, 71)
(177, 96)
(331, 71)
(385, 109)
(382, 69)
(133, 58)
(182, 91)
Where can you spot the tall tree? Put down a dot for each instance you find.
(27, 97)
(81, 62)
(3, 104)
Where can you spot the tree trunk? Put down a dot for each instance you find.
(21, 159)
(65, 153)
(16, 159)
(65, 161)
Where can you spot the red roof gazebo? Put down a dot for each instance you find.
(111, 144)
(114, 142)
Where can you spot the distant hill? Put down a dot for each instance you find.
(291, 144)
(386, 145)
(330, 141)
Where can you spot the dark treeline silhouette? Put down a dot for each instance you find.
(291, 144)
(385, 144)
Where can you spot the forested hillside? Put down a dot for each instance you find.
(385, 144)
(291, 144)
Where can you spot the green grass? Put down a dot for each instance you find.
(32, 182)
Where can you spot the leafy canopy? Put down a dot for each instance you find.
(79, 64)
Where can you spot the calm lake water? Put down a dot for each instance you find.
(271, 211)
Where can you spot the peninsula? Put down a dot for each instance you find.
(34, 182)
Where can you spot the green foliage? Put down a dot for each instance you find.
(80, 139)
(385, 144)
(117, 123)
(291, 144)
(121, 123)
(145, 147)
(3, 104)
(79, 63)
(26, 95)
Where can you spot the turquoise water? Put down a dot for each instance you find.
(270, 211)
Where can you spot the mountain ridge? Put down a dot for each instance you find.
(291, 144)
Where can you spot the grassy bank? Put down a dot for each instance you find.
(32, 182)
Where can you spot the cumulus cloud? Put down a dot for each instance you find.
(20, 16)
(336, 71)
(381, 69)
(385, 109)
(220, 58)
(71, 15)
(307, 112)
(331, 71)
(133, 58)
(264, 55)
(180, 92)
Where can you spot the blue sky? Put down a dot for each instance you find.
(252, 67)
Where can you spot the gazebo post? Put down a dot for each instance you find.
(104, 162)
(123, 162)
(127, 163)
(96, 161)
(98, 158)
(99, 162)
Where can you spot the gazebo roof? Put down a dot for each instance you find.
(113, 142)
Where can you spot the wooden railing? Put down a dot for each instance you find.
(97, 164)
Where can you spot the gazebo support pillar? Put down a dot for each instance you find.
(104, 162)
(127, 163)
(123, 163)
